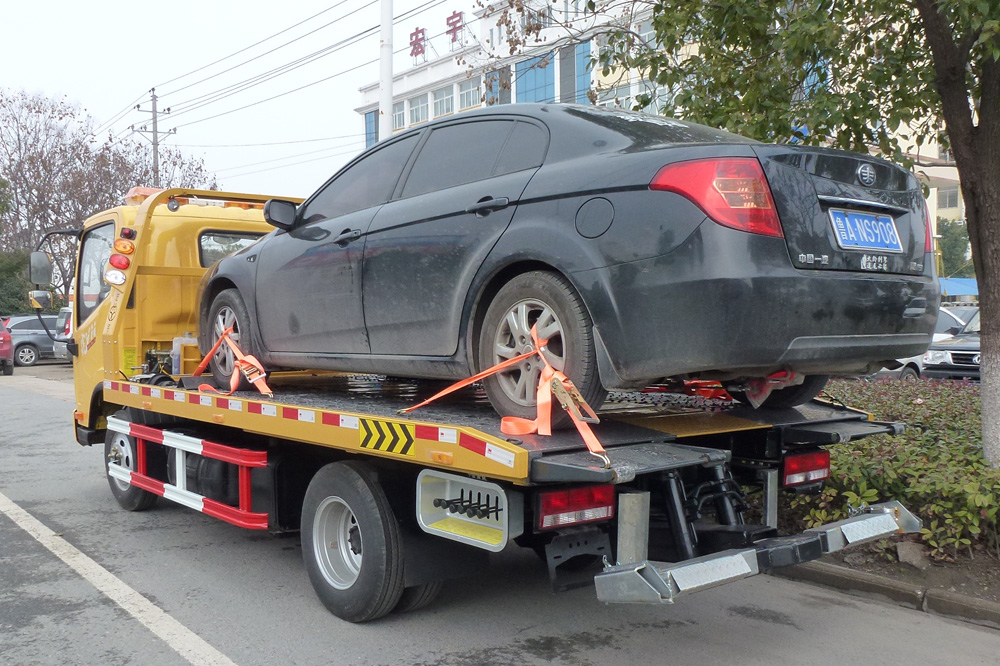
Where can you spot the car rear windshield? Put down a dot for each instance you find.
(647, 130)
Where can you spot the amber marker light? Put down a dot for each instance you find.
(124, 246)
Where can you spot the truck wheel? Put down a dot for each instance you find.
(418, 596)
(8, 369)
(26, 355)
(228, 311)
(351, 543)
(550, 302)
(122, 447)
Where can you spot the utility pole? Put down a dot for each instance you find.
(385, 73)
(155, 133)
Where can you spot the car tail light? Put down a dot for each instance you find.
(119, 261)
(69, 322)
(578, 505)
(806, 468)
(928, 230)
(731, 191)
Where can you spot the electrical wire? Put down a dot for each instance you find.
(288, 157)
(283, 166)
(271, 143)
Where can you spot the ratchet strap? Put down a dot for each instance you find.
(551, 383)
(245, 364)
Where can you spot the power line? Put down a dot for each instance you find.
(282, 166)
(288, 157)
(272, 143)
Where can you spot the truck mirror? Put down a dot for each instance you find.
(280, 214)
(40, 300)
(40, 269)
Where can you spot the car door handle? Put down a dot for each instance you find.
(485, 205)
(347, 235)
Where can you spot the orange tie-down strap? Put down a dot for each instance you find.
(245, 364)
(551, 382)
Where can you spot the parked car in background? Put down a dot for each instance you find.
(956, 357)
(64, 329)
(6, 351)
(31, 342)
(950, 321)
(643, 248)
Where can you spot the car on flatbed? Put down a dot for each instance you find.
(642, 249)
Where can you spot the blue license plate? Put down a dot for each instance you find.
(865, 231)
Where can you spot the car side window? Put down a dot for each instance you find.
(91, 289)
(367, 183)
(457, 154)
(525, 149)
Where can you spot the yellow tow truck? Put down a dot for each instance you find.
(389, 506)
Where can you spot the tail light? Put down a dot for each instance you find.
(806, 468)
(69, 323)
(578, 505)
(928, 230)
(119, 261)
(732, 191)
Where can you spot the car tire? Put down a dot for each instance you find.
(351, 543)
(228, 310)
(908, 374)
(525, 300)
(800, 394)
(8, 369)
(26, 355)
(128, 496)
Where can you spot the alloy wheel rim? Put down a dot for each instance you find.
(513, 337)
(225, 318)
(337, 543)
(26, 355)
(126, 458)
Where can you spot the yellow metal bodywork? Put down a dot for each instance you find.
(162, 280)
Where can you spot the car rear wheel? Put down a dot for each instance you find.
(228, 311)
(8, 369)
(550, 303)
(26, 355)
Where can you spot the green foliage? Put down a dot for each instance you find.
(936, 468)
(954, 246)
(14, 284)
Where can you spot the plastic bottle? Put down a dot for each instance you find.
(177, 351)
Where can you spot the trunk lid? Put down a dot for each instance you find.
(843, 211)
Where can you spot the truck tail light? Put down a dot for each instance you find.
(732, 191)
(578, 505)
(119, 261)
(806, 468)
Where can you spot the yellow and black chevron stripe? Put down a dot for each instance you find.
(388, 437)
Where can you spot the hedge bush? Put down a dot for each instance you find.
(936, 468)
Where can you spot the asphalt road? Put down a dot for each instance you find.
(172, 586)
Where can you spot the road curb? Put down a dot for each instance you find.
(934, 601)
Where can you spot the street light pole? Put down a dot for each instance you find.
(385, 73)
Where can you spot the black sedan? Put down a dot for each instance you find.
(956, 357)
(644, 249)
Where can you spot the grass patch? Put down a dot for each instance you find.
(936, 468)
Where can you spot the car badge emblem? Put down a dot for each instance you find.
(975, 359)
(866, 175)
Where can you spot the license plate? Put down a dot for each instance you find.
(865, 231)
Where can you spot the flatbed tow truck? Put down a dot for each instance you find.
(389, 505)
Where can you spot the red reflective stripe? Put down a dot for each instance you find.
(146, 432)
(114, 386)
(245, 504)
(472, 444)
(248, 520)
(168, 395)
(194, 399)
(429, 432)
(140, 456)
(146, 390)
(331, 419)
(147, 483)
(290, 413)
(253, 407)
(233, 455)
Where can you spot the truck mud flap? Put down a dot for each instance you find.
(836, 432)
(661, 582)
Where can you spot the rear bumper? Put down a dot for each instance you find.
(730, 304)
(662, 582)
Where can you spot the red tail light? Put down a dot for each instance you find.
(69, 322)
(119, 261)
(806, 468)
(572, 507)
(928, 230)
(732, 191)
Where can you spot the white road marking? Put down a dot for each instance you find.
(178, 637)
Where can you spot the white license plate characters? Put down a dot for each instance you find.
(865, 231)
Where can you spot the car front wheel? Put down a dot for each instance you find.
(548, 302)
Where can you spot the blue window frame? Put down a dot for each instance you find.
(536, 79)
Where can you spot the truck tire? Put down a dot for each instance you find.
(351, 542)
(26, 355)
(418, 596)
(550, 301)
(228, 310)
(128, 496)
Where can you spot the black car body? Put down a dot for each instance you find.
(956, 357)
(691, 252)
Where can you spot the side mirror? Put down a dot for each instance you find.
(40, 269)
(40, 300)
(280, 214)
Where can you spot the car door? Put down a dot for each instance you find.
(308, 279)
(424, 248)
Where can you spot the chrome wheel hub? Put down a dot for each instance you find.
(513, 338)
